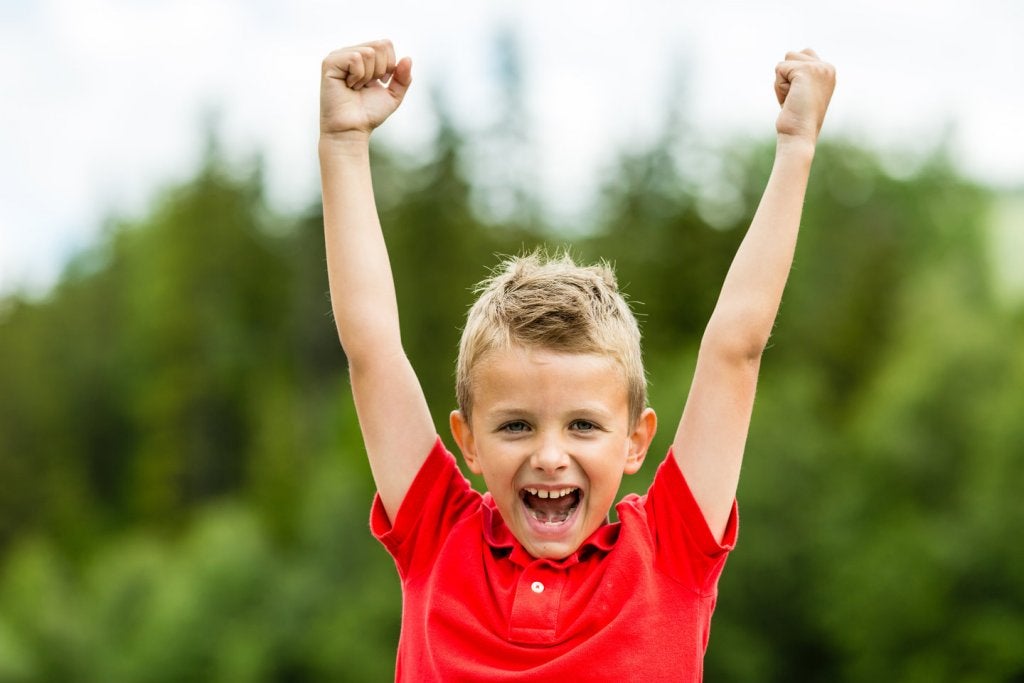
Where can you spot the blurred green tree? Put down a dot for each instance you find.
(184, 495)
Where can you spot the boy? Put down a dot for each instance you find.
(530, 581)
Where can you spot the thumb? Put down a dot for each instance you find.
(783, 80)
(401, 78)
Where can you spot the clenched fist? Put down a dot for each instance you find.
(360, 87)
(803, 85)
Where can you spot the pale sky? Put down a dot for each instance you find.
(102, 101)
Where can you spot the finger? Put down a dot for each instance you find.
(380, 67)
(379, 59)
(354, 67)
(392, 60)
(370, 61)
(401, 78)
(382, 61)
(782, 81)
(337, 64)
(367, 58)
(805, 55)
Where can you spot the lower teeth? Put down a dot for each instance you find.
(554, 519)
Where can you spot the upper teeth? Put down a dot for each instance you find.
(540, 493)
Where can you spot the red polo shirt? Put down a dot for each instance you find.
(633, 603)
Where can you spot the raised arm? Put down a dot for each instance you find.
(712, 433)
(360, 87)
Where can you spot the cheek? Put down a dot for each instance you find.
(497, 466)
(606, 469)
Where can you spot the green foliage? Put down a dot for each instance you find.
(185, 496)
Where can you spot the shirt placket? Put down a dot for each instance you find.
(537, 602)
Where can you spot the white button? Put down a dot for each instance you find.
(537, 587)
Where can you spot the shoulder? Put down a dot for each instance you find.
(668, 517)
(439, 497)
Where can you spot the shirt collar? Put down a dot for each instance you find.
(499, 537)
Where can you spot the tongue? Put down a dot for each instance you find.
(550, 510)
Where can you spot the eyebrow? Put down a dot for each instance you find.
(509, 413)
(501, 414)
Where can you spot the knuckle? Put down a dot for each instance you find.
(330, 59)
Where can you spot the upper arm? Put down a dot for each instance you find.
(393, 414)
(712, 433)
(395, 422)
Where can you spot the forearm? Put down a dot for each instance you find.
(361, 284)
(712, 433)
(749, 301)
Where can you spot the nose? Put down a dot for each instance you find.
(550, 456)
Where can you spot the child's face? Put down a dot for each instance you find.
(550, 434)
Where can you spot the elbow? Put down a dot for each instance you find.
(363, 351)
(737, 343)
(366, 335)
(374, 363)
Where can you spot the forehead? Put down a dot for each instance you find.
(535, 358)
(519, 376)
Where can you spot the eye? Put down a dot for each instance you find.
(514, 427)
(582, 426)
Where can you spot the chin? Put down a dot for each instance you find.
(551, 551)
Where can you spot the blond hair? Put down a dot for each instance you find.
(550, 302)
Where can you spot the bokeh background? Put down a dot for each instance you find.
(183, 490)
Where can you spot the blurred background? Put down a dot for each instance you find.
(183, 491)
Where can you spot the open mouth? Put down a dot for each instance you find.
(551, 507)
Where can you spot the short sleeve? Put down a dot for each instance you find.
(685, 546)
(437, 499)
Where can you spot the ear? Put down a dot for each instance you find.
(640, 440)
(463, 435)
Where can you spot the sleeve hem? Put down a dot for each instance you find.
(693, 516)
(392, 533)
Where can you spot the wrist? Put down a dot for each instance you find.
(348, 144)
(796, 147)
